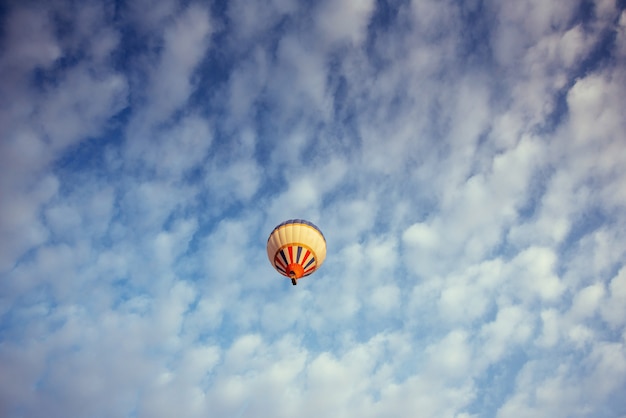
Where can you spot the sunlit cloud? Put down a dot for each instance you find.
(464, 161)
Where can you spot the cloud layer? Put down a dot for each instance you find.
(463, 159)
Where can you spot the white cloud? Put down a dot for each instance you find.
(512, 326)
(21, 227)
(523, 23)
(608, 365)
(420, 235)
(300, 79)
(70, 113)
(587, 301)
(150, 203)
(174, 151)
(345, 21)
(469, 297)
(246, 84)
(592, 103)
(533, 274)
(91, 210)
(553, 395)
(551, 328)
(385, 299)
(463, 161)
(621, 36)
(171, 244)
(254, 20)
(169, 83)
(31, 41)
(614, 309)
(150, 15)
(451, 357)
(43, 122)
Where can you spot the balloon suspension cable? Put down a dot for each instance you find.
(293, 278)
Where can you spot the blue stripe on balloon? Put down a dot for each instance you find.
(282, 254)
(309, 263)
(298, 254)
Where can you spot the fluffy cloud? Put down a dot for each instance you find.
(463, 161)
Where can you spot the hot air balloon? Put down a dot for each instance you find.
(296, 248)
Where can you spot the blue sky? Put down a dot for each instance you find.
(464, 159)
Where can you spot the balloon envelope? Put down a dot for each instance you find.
(296, 248)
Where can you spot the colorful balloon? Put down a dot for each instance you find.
(296, 248)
